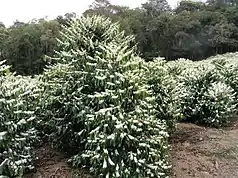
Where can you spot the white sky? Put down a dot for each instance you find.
(26, 10)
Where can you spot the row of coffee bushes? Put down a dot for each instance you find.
(94, 102)
(17, 120)
(98, 105)
(208, 89)
(108, 108)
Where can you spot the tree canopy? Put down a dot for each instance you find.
(193, 30)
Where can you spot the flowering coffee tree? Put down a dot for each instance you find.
(219, 104)
(97, 103)
(167, 91)
(206, 95)
(227, 67)
(17, 134)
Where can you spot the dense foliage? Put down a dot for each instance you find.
(17, 133)
(192, 30)
(102, 103)
(208, 93)
(97, 104)
(167, 91)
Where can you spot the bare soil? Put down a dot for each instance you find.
(53, 164)
(199, 152)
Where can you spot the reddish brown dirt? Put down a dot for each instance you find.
(53, 164)
(199, 152)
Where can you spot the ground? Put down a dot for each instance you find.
(197, 152)
(53, 164)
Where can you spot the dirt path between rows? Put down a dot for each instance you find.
(53, 164)
(199, 152)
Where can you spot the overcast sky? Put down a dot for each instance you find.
(25, 10)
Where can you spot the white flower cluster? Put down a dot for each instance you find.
(16, 124)
(208, 90)
(166, 89)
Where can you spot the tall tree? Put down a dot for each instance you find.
(26, 45)
(2, 25)
(156, 7)
(64, 20)
(188, 5)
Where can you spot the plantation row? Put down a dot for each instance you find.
(98, 101)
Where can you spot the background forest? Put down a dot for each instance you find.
(193, 30)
